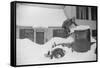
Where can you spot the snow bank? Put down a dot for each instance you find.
(57, 40)
(29, 52)
(92, 39)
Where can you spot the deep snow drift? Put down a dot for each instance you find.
(29, 52)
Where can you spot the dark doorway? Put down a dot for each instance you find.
(40, 37)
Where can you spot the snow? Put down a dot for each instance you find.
(92, 39)
(29, 52)
(80, 27)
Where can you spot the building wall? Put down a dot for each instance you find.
(48, 32)
(17, 32)
(36, 16)
(70, 11)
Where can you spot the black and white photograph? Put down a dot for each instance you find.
(55, 33)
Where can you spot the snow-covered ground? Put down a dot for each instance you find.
(29, 52)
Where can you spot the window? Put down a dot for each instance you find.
(59, 33)
(82, 12)
(27, 33)
(94, 33)
(94, 13)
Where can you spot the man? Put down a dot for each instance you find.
(67, 24)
